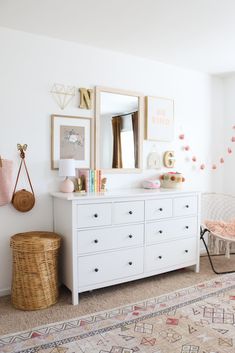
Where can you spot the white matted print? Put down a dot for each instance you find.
(159, 119)
(70, 138)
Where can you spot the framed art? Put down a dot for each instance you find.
(71, 137)
(159, 123)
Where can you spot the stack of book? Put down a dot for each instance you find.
(91, 179)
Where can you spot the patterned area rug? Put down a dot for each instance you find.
(198, 319)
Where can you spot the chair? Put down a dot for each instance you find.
(217, 207)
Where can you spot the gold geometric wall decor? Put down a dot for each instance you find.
(86, 98)
(62, 94)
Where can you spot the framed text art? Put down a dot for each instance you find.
(159, 124)
(71, 138)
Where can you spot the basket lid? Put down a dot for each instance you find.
(35, 241)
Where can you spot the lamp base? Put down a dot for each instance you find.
(67, 185)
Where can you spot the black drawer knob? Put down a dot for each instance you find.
(160, 209)
(96, 215)
(96, 241)
(130, 236)
(187, 206)
(160, 257)
(187, 227)
(186, 251)
(130, 263)
(96, 269)
(160, 231)
(130, 212)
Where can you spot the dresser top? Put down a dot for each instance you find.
(121, 193)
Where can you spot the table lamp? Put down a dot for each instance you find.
(67, 169)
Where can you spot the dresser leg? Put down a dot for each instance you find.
(75, 298)
(197, 267)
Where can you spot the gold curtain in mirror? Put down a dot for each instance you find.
(117, 145)
(135, 126)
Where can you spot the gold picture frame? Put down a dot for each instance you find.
(159, 119)
(72, 137)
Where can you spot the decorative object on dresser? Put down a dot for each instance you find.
(159, 123)
(23, 200)
(67, 169)
(119, 123)
(90, 180)
(6, 181)
(151, 184)
(169, 159)
(154, 160)
(71, 137)
(172, 180)
(35, 266)
(140, 232)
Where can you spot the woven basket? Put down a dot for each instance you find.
(35, 270)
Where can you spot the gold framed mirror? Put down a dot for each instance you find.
(119, 130)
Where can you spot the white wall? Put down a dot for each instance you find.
(229, 122)
(30, 64)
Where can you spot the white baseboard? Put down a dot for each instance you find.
(5, 291)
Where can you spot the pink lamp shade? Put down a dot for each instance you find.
(66, 169)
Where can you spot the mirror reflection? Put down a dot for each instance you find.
(119, 131)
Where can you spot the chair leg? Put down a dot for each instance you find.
(209, 256)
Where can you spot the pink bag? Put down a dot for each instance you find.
(6, 181)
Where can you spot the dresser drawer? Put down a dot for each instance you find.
(157, 209)
(93, 240)
(93, 215)
(100, 268)
(166, 230)
(127, 212)
(170, 254)
(184, 206)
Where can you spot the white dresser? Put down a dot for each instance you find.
(123, 236)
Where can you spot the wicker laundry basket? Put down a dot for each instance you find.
(35, 270)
